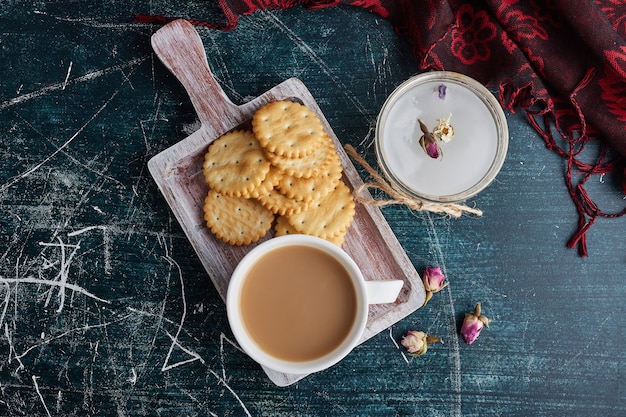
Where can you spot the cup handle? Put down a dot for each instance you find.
(381, 292)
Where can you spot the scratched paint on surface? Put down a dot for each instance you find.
(104, 308)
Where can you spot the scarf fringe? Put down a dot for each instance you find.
(576, 137)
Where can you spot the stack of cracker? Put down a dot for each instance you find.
(284, 173)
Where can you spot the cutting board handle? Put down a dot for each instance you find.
(179, 47)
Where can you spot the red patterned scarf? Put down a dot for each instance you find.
(561, 61)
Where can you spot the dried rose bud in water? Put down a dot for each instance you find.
(434, 281)
(428, 142)
(416, 342)
(473, 325)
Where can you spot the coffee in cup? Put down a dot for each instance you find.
(298, 304)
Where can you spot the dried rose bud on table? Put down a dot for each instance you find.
(473, 324)
(434, 281)
(416, 342)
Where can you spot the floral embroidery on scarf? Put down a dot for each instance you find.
(508, 43)
(471, 36)
(523, 26)
(546, 11)
(614, 14)
(614, 93)
(536, 61)
(617, 60)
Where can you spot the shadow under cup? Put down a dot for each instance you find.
(288, 306)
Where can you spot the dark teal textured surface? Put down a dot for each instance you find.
(105, 309)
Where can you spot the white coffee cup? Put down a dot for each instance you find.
(367, 292)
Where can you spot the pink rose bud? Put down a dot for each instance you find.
(416, 342)
(429, 142)
(434, 281)
(432, 150)
(473, 325)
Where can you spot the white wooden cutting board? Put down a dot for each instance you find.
(178, 174)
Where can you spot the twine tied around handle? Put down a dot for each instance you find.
(398, 196)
